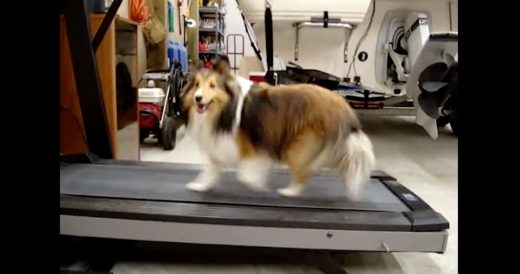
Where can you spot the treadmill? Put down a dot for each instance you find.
(148, 201)
(104, 198)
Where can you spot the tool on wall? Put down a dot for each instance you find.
(188, 22)
(171, 24)
(179, 6)
(322, 22)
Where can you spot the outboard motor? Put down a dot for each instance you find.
(433, 81)
(421, 63)
(394, 52)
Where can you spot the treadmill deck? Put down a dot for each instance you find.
(324, 191)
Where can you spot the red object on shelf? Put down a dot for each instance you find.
(203, 47)
(257, 77)
(207, 62)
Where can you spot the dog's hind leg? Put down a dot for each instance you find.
(207, 178)
(253, 171)
(254, 166)
(300, 156)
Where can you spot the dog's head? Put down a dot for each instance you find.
(210, 90)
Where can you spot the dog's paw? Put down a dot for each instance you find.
(289, 191)
(198, 186)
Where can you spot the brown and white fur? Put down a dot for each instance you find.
(252, 126)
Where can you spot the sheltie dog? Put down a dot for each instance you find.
(251, 127)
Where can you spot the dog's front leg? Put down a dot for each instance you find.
(206, 179)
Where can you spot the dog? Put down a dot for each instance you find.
(253, 126)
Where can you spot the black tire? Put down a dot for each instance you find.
(158, 135)
(176, 84)
(454, 123)
(142, 135)
(168, 134)
(442, 121)
(126, 94)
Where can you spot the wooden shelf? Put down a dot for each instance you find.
(119, 44)
(212, 52)
(209, 10)
(211, 31)
(216, 33)
(124, 20)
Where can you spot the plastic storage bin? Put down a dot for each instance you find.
(178, 52)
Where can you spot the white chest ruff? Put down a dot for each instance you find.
(221, 147)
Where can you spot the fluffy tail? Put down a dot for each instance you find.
(356, 162)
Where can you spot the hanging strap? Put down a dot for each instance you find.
(247, 26)
(268, 18)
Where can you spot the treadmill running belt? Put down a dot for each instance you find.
(162, 183)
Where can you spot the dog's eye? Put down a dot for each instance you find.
(196, 84)
(212, 85)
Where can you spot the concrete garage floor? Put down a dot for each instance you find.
(404, 150)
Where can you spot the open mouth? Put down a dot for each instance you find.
(201, 108)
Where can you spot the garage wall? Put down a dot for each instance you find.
(455, 16)
(235, 25)
(123, 9)
(297, 10)
(319, 48)
(123, 12)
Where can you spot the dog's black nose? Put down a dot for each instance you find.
(198, 98)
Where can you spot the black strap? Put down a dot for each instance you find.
(268, 17)
(326, 19)
(107, 21)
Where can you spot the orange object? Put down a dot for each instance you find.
(139, 10)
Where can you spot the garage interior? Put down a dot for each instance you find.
(413, 130)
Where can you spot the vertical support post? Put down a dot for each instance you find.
(87, 79)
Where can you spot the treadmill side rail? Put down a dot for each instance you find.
(426, 220)
(220, 214)
(276, 237)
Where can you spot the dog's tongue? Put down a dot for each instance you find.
(201, 108)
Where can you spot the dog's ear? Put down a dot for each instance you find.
(198, 65)
(221, 65)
